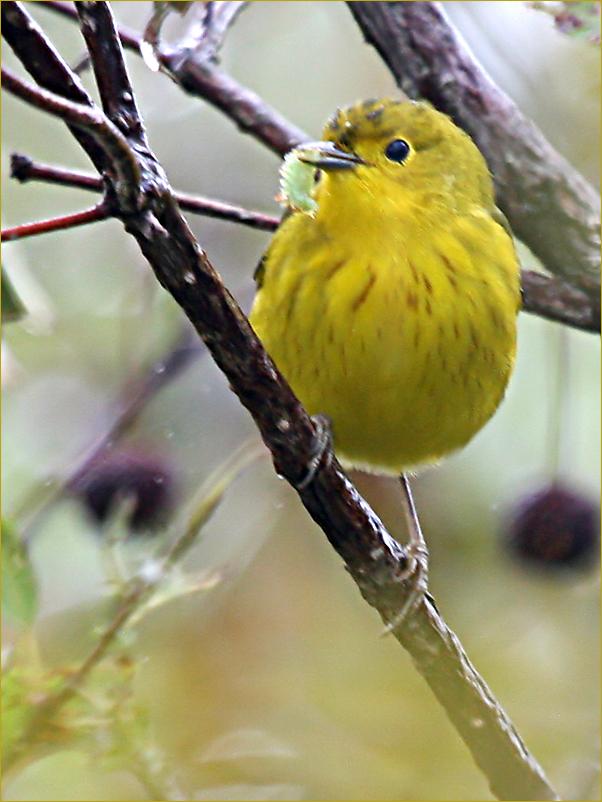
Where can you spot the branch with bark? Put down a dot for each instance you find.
(137, 192)
(24, 170)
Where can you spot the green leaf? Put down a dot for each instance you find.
(13, 307)
(19, 586)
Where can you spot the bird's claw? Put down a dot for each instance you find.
(414, 576)
(322, 445)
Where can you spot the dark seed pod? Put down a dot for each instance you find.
(555, 528)
(122, 475)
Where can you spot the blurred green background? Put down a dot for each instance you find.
(275, 684)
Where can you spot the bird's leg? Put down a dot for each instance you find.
(416, 572)
(321, 445)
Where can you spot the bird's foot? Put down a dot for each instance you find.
(415, 580)
(321, 447)
(414, 576)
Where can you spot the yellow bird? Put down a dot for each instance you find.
(388, 296)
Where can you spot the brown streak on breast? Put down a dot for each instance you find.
(413, 270)
(412, 300)
(335, 269)
(355, 304)
(451, 269)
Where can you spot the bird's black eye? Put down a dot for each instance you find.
(397, 151)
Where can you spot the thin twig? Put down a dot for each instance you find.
(24, 169)
(90, 120)
(226, 211)
(99, 212)
(129, 38)
(250, 112)
(206, 37)
(122, 111)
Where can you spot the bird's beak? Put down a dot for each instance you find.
(326, 156)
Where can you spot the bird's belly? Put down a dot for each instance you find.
(407, 371)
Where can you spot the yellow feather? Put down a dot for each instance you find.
(392, 307)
